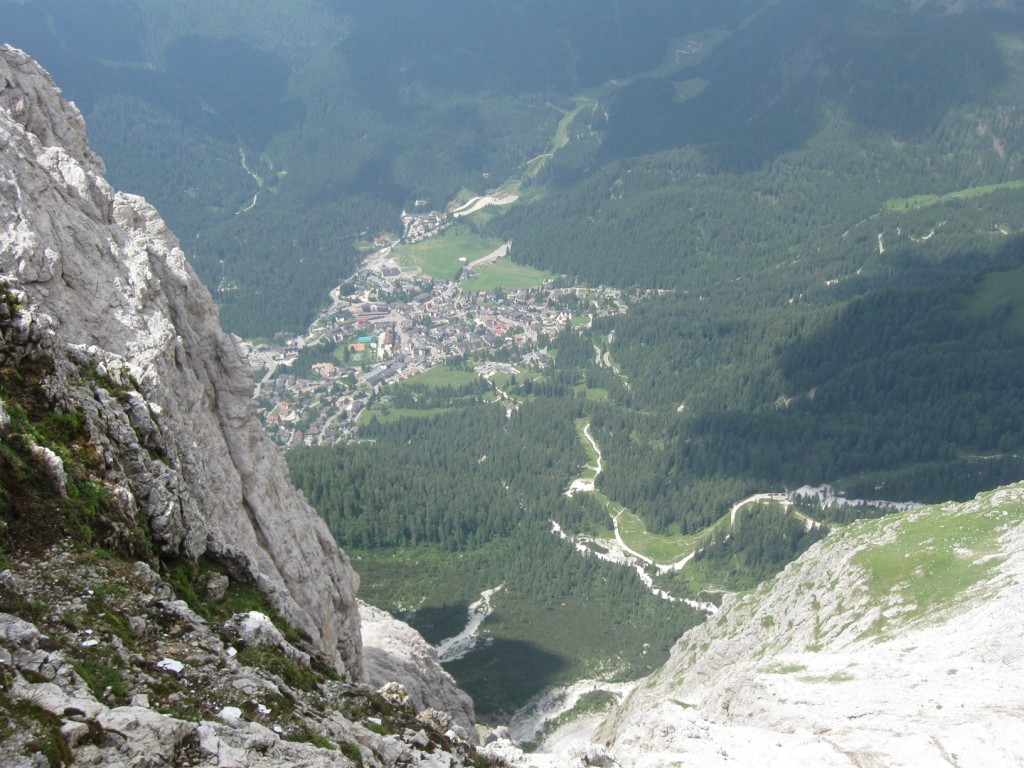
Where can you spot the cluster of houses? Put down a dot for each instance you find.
(386, 325)
(420, 226)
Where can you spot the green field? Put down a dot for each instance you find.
(442, 375)
(505, 274)
(439, 256)
(386, 414)
(660, 549)
(598, 394)
(898, 205)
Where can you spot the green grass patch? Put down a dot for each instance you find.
(937, 554)
(100, 668)
(915, 202)
(835, 677)
(659, 548)
(505, 274)
(442, 375)
(386, 414)
(439, 256)
(783, 669)
(274, 661)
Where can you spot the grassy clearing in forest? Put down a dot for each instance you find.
(442, 375)
(898, 205)
(660, 549)
(439, 256)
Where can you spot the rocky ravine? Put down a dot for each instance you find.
(894, 642)
(123, 402)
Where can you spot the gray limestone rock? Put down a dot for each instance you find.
(255, 629)
(394, 652)
(102, 283)
(95, 282)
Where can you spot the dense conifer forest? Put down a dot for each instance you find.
(816, 204)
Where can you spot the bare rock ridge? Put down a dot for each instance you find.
(896, 642)
(105, 280)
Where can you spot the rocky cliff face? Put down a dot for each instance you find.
(394, 651)
(106, 277)
(166, 595)
(896, 642)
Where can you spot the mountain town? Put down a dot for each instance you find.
(386, 325)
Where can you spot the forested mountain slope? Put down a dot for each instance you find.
(336, 115)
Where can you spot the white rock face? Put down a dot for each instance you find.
(395, 652)
(107, 284)
(897, 642)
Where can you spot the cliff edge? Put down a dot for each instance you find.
(107, 289)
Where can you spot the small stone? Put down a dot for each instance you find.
(419, 738)
(171, 665)
(246, 685)
(146, 575)
(395, 693)
(9, 582)
(217, 586)
(163, 591)
(74, 732)
(230, 715)
(140, 700)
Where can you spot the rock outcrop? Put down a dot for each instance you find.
(106, 289)
(394, 651)
(896, 642)
(113, 671)
(127, 426)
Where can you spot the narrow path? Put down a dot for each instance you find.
(257, 179)
(587, 484)
(593, 442)
(779, 498)
(618, 551)
(498, 253)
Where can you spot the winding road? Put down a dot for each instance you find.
(617, 551)
(587, 484)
